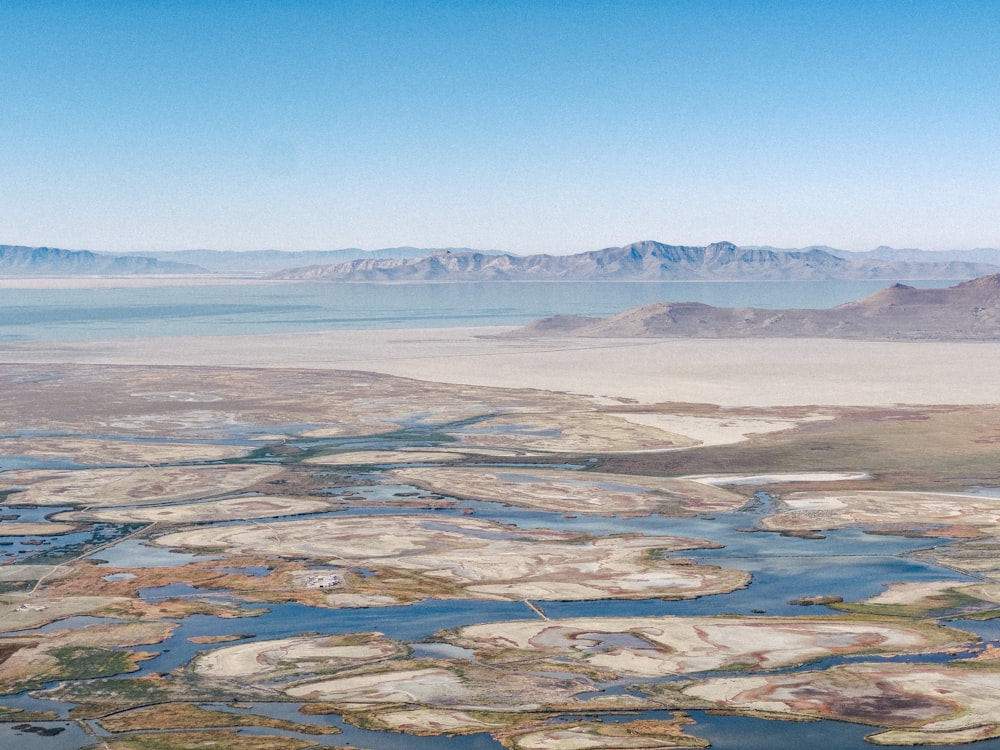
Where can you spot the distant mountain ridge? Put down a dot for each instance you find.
(259, 262)
(639, 261)
(51, 261)
(20, 260)
(977, 255)
(969, 311)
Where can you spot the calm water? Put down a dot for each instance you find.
(40, 314)
(847, 563)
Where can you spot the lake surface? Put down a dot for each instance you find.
(54, 314)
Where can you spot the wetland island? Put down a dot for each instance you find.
(319, 540)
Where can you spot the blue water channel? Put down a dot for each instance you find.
(848, 563)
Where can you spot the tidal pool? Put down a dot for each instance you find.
(133, 553)
(68, 735)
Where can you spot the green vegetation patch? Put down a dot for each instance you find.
(949, 604)
(37, 666)
(10, 714)
(97, 698)
(86, 662)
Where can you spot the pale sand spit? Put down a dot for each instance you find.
(715, 430)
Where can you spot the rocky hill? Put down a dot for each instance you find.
(969, 311)
(16, 260)
(640, 261)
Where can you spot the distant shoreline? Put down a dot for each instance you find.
(122, 282)
(140, 282)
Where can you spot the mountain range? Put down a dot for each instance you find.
(17, 260)
(259, 262)
(640, 261)
(989, 255)
(967, 311)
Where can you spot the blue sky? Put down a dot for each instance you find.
(525, 126)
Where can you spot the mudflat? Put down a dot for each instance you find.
(733, 372)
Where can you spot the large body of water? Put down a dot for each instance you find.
(264, 307)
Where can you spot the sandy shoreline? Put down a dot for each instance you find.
(734, 372)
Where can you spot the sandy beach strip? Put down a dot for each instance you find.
(733, 372)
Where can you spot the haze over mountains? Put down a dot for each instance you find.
(884, 252)
(272, 261)
(17, 260)
(49, 261)
(640, 261)
(968, 311)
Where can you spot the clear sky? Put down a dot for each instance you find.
(525, 126)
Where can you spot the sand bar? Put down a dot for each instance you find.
(931, 705)
(306, 654)
(741, 372)
(509, 563)
(835, 510)
(650, 647)
(127, 487)
(569, 492)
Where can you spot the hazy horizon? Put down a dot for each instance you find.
(529, 127)
(942, 250)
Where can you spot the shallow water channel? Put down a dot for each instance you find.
(847, 563)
